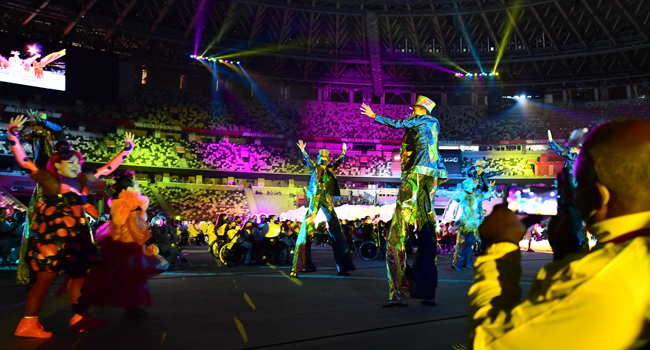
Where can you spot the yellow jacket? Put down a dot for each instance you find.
(193, 229)
(594, 300)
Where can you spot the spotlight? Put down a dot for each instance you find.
(227, 61)
(238, 62)
(491, 74)
(469, 74)
(220, 60)
(522, 96)
(496, 73)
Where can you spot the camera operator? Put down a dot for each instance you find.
(598, 299)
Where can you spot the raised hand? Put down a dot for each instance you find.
(366, 110)
(550, 136)
(129, 137)
(492, 183)
(18, 121)
(302, 145)
(502, 225)
(32, 114)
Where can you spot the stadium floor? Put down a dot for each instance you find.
(206, 306)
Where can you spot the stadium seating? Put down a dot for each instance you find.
(203, 204)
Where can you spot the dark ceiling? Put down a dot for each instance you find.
(372, 44)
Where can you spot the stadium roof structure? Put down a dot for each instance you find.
(377, 44)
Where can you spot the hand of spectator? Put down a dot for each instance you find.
(365, 109)
(502, 225)
(18, 121)
(302, 145)
(550, 136)
(563, 231)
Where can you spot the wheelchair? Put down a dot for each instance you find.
(229, 253)
(366, 250)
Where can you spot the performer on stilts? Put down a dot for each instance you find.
(322, 185)
(422, 172)
(570, 154)
(467, 228)
(127, 262)
(44, 134)
(60, 238)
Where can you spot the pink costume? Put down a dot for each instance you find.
(121, 279)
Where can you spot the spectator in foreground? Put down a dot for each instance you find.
(582, 300)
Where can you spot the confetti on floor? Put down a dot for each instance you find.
(294, 280)
(242, 331)
(249, 301)
(78, 340)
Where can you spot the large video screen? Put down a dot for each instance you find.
(33, 64)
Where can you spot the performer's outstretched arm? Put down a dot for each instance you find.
(557, 148)
(309, 162)
(341, 158)
(42, 118)
(488, 194)
(493, 173)
(409, 122)
(112, 165)
(561, 151)
(15, 124)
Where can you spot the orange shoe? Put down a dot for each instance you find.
(31, 328)
(84, 323)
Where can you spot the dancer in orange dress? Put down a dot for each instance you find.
(61, 239)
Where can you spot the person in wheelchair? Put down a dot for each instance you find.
(271, 233)
(164, 236)
(197, 236)
(183, 233)
(357, 232)
(246, 239)
(218, 239)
